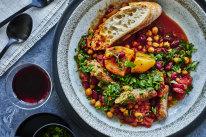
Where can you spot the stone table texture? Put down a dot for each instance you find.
(11, 117)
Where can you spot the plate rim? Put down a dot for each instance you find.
(58, 31)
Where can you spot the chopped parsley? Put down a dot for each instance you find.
(140, 117)
(154, 110)
(113, 92)
(190, 88)
(147, 114)
(129, 64)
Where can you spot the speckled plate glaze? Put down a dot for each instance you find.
(187, 13)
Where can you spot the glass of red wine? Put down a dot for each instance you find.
(28, 86)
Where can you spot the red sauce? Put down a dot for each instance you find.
(170, 25)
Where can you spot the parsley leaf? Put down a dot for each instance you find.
(154, 110)
(129, 64)
(190, 88)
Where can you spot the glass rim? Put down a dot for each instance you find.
(44, 99)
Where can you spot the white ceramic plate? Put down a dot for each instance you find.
(187, 14)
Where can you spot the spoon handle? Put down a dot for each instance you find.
(15, 14)
(11, 41)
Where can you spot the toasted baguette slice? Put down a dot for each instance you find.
(125, 22)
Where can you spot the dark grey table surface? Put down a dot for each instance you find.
(11, 117)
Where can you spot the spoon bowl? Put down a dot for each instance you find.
(18, 30)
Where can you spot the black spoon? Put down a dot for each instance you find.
(18, 30)
(34, 3)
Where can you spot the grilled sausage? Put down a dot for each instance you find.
(98, 71)
(161, 110)
(137, 94)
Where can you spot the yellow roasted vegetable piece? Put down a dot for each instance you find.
(111, 62)
(143, 63)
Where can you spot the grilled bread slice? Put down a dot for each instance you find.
(124, 23)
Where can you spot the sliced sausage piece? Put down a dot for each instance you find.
(135, 96)
(161, 108)
(98, 71)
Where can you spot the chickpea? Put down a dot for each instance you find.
(156, 38)
(176, 60)
(123, 109)
(112, 110)
(155, 44)
(177, 79)
(166, 44)
(155, 30)
(149, 39)
(98, 104)
(127, 46)
(161, 45)
(91, 31)
(139, 47)
(187, 60)
(126, 113)
(170, 98)
(109, 114)
(134, 44)
(147, 107)
(139, 103)
(125, 4)
(144, 50)
(104, 19)
(149, 33)
(136, 114)
(109, 98)
(130, 106)
(184, 72)
(151, 50)
(90, 51)
(92, 86)
(136, 106)
(88, 91)
(94, 55)
(92, 101)
(149, 43)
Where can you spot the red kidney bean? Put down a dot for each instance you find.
(164, 50)
(168, 38)
(158, 50)
(95, 95)
(110, 10)
(179, 48)
(141, 38)
(102, 99)
(159, 65)
(120, 54)
(167, 81)
(120, 115)
(85, 84)
(168, 66)
(94, 80)
(175, 43)
(174, 76)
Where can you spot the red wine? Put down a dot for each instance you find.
(31, 84)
